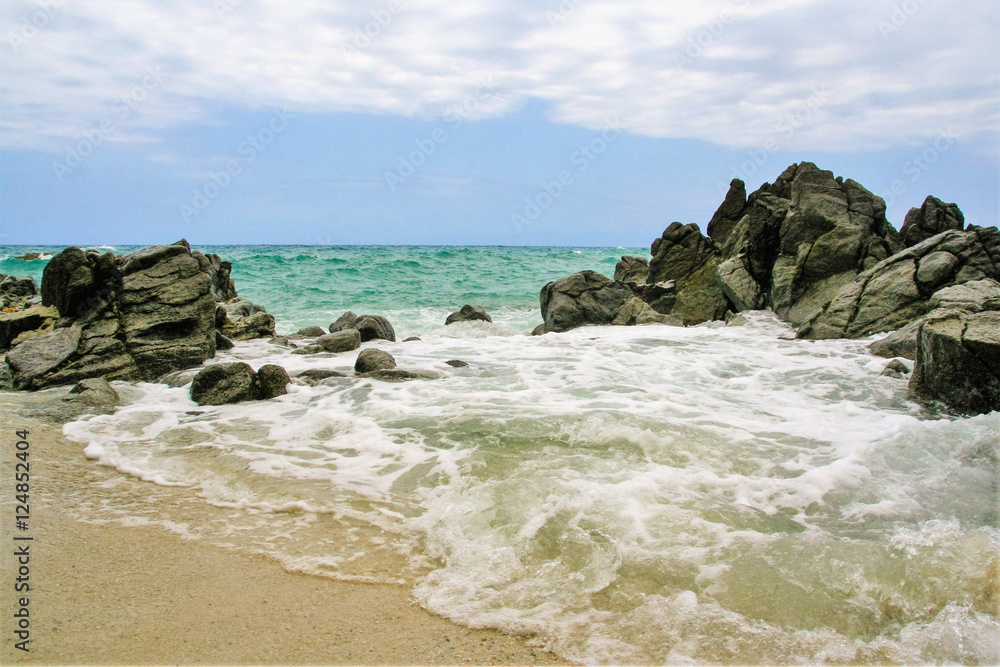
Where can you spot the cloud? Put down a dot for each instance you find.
(735, 72)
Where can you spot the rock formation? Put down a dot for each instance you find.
(373, 359)
(590, 298)
(221, 384)
(131, 317)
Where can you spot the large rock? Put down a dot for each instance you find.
(272, 381)
(729, 213)
(958, 362)
(582, 298)
(240, 319)
(688, 259)
(16, 292)
(219, 270)
(468, 314)
(950, 270)
(341, 341)
(346, 321)
(932, 218)
(221, 384)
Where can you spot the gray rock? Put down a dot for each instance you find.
(245, 320)
(958, 362)
(96, 392)
(632, 270)
(457, 363)
(221, 384)
(375, 326)
(972, 296)
(346, 321)
(468, 314)
(341, 341)
(395, 375)
(314, 375)
(31, 361)
(411, 339)
(272, 381)
(932, 218)
(539, 330)
(179, 378)
(661, 296)
(223, 343)
(219, 270)
(936, 268)
(311, 332)
(373, 359)
(635, 311)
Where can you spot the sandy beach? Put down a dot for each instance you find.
(111, 594)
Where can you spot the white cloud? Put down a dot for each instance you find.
(730, 72)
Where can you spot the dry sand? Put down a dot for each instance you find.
(110, 594)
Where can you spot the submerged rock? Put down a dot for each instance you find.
(468, 314)
(311, 332)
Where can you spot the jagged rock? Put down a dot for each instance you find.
(958, 362)
(685, 257)
(635, 311)
(373, 359)
(739, 286)
(582, 298)
(375, 326)
(223, 287)
(729, 213)
(468, 314)
(311, 332)
(272, 381)
(221, 384)
(14, 324)
(932, 218)
(903, 287)
(15, 292)
(346, 321)
(661, 297)
(632, 270)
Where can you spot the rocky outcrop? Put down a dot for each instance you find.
(345, 321)
(35, 318)
(130, 317)
(375, 326)
(468, 314)
(729, 213)
(950, 270)
(238, 319)
(590, 298)
(16, 292)
(958, 362)
(221, 384)
(373, 359)
(931, 219)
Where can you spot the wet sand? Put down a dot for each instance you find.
(111, 594)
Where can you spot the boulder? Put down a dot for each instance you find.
(932, 218)
(223, 343)
(895, 369)
(395, 375)
(15, 292)
(632, 270)
(95, 392)
(958, 362)
(635, 311)
(221, 384)
(244, 320)
(457, 363)
(14, 324)
(272, 381)
(373, 359)
(346, 321)
(582, 298)
(375, 326)
(468, 314)
(219, 270)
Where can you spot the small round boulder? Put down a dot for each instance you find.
(468, 314)
(272, 381)
(373, 359)
(220, 384)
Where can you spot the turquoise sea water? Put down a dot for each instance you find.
(619, 495)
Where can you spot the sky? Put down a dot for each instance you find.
(481, 122)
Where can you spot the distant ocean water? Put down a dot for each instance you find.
(625, 494)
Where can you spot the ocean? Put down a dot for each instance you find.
(655, 495)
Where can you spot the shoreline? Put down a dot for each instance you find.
(115, 594)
